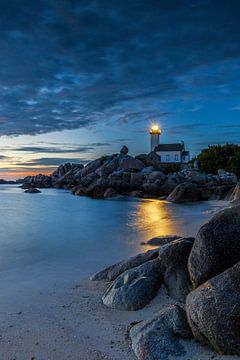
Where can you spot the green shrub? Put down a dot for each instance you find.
(216, 157)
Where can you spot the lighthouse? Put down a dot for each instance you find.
(155, 134)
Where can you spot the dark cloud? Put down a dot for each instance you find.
(185, 128)
(69, 64)
(55, 150)
(51, 162)
(61, 149)
(139, 116)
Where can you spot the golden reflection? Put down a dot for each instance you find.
(154, 218)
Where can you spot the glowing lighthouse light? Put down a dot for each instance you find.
(155, 129)
(155, 133)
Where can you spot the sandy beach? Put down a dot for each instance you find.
(49, 312)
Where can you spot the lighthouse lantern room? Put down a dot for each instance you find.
(155, 134)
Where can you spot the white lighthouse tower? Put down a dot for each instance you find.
(155, 133)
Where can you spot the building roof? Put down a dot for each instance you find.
(170, 147)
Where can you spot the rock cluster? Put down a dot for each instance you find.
(143, 176)
(158, 338)
(201, 275)
(32, 191)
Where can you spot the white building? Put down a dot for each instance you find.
(173, 153)
(169, 153)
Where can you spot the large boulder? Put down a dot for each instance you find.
(97, 188)
(108, 167)
(91, 167)
(235, 196)
(116, 175)
(78, 190)
(112, 272)
(87, 180)
(169, 185)
(32, 191)
(174, 259)
(121, 186)
(134, 288)
(124, 150)
(131, 164)
(197, 177)
(110, 193)
(213, 311)
(157, 176)
(185, 192)
(153, 159)
(142, 158)
(162, 240)
(221, 192)
(217, 246)
(65, 168)
(151, 189)
(147, 170)
(158, 338)
(136, 180)
(226, 177)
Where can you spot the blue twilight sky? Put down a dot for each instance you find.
(80, 78)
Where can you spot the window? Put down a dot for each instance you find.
(176, 157)
(167, 157)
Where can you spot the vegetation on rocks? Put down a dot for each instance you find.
(216, 157)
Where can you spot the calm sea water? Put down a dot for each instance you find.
(55, 226)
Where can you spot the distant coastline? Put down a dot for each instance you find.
(11, 182)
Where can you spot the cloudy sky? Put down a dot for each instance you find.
(80, 78)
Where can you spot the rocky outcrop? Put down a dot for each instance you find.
(235, 196)
(204, 273)
(185, 192)
(174, 260)
(213, 311)
(110, 193)
(142, 176)
(226, 177)
(162, 240)
(38, 181)
(158, 338)
(124, 150)
(152, 159)
(112, 272)
(130, 164)
(217, 246)
(32, 191)
(134, 288)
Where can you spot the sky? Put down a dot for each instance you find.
(81, 78)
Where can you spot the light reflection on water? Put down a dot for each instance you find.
(157, 218)
(55, 225)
